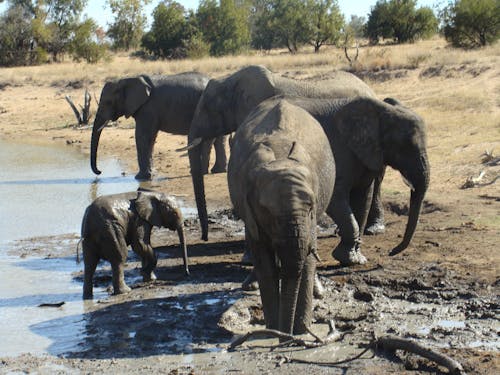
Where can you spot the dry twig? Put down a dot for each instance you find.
(287, 339)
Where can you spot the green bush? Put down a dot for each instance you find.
(471, 23)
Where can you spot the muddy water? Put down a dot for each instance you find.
(44, 192)
(45, 189)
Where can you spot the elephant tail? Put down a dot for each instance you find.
(78, 247)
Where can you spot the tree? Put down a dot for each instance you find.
(167, 31)
(32, 29)
(86, 44)
(225, 25)
(128, 24)
(16, 37)
(62, 21)
(400, 20)
(291, 23)
(471, 23)
(326, 22)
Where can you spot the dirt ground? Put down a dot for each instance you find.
(443, 291)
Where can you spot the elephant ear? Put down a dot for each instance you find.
(135, 92)
(148, 209)
(359, 126)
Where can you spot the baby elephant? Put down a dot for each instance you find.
(112, 222)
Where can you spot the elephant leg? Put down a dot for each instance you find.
(268, 278)
(346, 251)
(141, 246)
(376, 221)
(360, 201)
(119, 285)
(206, 148)
(91, 259)
(250, 282)
(144, 143)
(303, 312)
(220, 165)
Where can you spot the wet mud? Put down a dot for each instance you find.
(187, 323)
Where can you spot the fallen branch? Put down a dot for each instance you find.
(287, 339)
(393, 343)
(57, 304)
(84, 117)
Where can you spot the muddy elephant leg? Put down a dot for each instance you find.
(346, 251)
(119, 285)
(144, 143)
(376, 221)
(141, 246)
(268, 278)
(220, 165)
(91, 260)
(206, 148)
(360, 201)
(303, 312)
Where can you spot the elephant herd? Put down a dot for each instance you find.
(300, 149)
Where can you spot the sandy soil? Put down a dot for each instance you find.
(450, 273)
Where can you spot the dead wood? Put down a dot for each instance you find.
(287, 339)
(83, 117)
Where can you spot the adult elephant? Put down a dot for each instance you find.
(160, 103)
(280, 176)
(365, 135)
(226, 102)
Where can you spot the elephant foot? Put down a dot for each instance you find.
(250, 283)
(144, 176)
(348, 256)
(246, 259)
(319, 289)
(122, 290)
(87, 295)
(148, 276)
(218, 169)
(375, 228)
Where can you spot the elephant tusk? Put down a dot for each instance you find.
(191, 145)
(103, 125)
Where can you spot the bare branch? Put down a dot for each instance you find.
(75, 110)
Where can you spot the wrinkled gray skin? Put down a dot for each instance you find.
(365, 135)
(226, 102)
(280, 176)
(112, 222)
(161, 103)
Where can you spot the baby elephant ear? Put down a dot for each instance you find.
(148, 209)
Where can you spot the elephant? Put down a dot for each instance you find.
(227, 101)
(280, 177)
(165, 103)
(112, 222)
(365, 135)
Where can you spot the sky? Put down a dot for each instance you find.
(96, 8)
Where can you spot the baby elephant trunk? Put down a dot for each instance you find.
(180, 232)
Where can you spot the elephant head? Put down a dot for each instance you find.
(118, 98)
(283, 202)
(226, 102)
(387, 133)
(160, 210)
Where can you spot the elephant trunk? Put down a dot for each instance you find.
(180, 232)
(419, 179)
(199, 189)
(99, 124)
(292, 270)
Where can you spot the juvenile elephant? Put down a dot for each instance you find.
(280, 177)
(112, 222)
(226, 102)
(365, 135)
(161, 103)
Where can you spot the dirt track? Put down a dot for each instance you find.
(442, 291)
